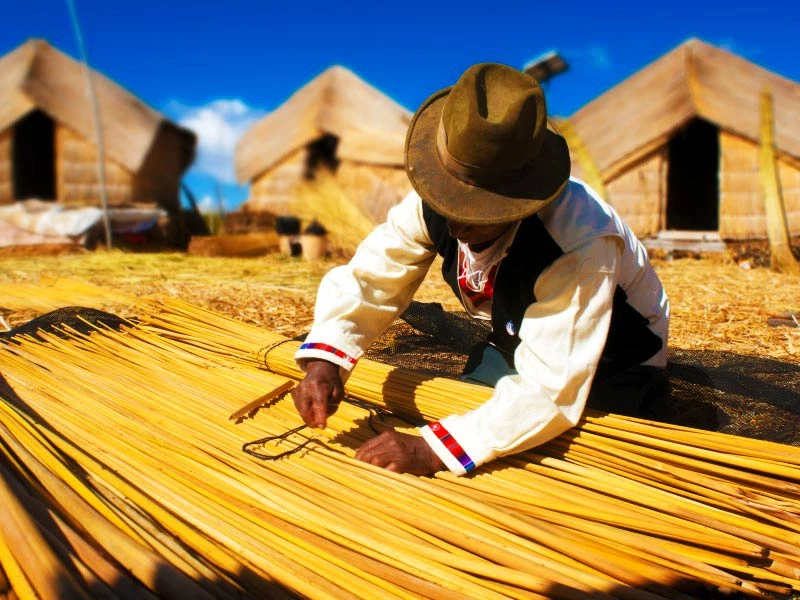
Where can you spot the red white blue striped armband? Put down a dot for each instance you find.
(328, 348)
(452, 445)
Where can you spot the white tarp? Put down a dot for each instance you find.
(40, 222)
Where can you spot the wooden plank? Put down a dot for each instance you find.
(248, 410)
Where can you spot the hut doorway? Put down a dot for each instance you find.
(321, 154)
(693, 178)
(34, 157)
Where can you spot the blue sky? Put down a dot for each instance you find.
(217, 67)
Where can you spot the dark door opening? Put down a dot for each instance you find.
(34, 157)
(693, 178)
(322, 154)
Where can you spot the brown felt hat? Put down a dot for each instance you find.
(480, 152)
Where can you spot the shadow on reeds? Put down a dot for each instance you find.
(65, 538)
(62, 321)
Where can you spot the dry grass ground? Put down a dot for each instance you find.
(716, 304)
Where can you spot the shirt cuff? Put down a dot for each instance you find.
(326, 352)
(447, 448)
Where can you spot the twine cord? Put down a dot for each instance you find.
(247, 446)
(374, 411)
(265, 350)
(380, 412)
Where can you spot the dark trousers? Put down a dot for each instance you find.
(641, 391)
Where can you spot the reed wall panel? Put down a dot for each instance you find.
(639, 194)
(158, 181)
(741, 200)
(77, 179)
(6, 168)
(790, 187)
(374, 188)
(273, 189)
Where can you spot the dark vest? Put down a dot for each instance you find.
(629, 342)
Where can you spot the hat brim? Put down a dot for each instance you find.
(460, 201)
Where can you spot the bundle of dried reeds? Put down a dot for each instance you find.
(234, 244)
(124, 477)
(50, 293)
(323, 199)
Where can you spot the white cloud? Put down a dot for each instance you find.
(208, 205)
(218, 125)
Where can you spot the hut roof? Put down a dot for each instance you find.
(371, 127)
(695, 79)
(37, 76)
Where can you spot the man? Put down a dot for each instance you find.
(578, 315)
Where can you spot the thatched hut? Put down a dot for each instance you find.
(676, 145)
(338, 124)
(47, 137)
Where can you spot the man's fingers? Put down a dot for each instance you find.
(318, 395)
(364, 453)
(334, 400)
(400, 453)
(311, 404)
(319, 412)
(376, 451)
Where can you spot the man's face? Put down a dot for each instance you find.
(476, 236)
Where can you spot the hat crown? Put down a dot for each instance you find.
(480, 152)
(495, 118)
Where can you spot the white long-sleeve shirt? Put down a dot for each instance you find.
(562, 334)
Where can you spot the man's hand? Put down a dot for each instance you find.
(401, 453)
(319, 394)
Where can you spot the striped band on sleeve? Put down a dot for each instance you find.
(328, 348)
(452, 445)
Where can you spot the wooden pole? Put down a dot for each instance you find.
(221, 209)
(781, 257)
(98, 126)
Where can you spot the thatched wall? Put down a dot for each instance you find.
(374, 188)
(6, 174)
(272, 190)
(158, 181)
(790, 186)
(742, 212)
(639, 194)
(341, 125)
(38, 76)
(741, 200)
(77, 178)
(695, 80)
(636, 119)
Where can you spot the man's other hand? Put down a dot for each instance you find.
(318, 395)
(401, 453)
